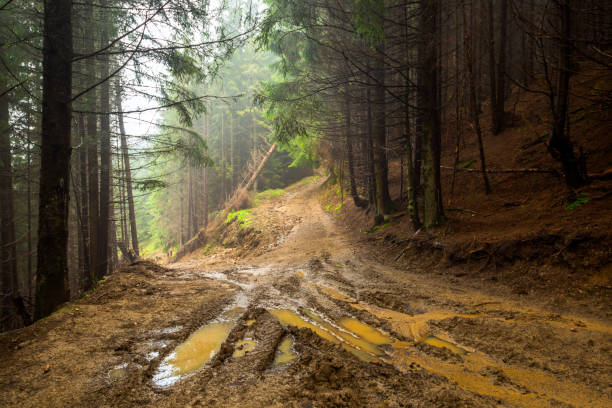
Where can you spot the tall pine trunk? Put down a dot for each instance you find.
(128, 172)
(92, 154)
(499, 109)
(383, 200)
(559, 145)
(105, 167)
(429, 106)
(54, 195)
(8, 246)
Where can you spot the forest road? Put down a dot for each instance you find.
(310, 322)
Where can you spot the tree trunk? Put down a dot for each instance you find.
(412, 183)
(84, 213)
(222, 158)
(349, 147)
(205, 192)
(492, 79)
(430, 107)
(92, 154)
(51, 274)
(370, 156)
(9, 315)
(128, 173)
(499, 110)
(473, 104)
(105, 167)
(559, 145)
(383, 200)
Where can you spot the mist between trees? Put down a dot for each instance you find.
(348, 84)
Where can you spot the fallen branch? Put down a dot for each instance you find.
(462, 210)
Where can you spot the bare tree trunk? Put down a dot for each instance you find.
(205, 192)
(559, 145)
(105, 167)
(492, 79)
(473, 108)
(128, 173)
(412, 185)
(383, 200)
(370, 141)
(9, 315)
(222, 158)
(51, 289)
(499, 110)
(349, 146)
(92, 154)
(429, 64)
(84, 213)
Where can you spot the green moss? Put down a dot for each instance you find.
(243, 217)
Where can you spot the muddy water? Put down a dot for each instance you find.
(284, 353)
(356, 337)
(194, 353)
(244, 346)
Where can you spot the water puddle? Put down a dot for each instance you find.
(439, 343)
(193, 354)
(118, 372)
(335, 294)
(244, 346)
(359, 339)
(284, 353)
(234, 312)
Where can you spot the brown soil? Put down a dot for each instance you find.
(445, 342)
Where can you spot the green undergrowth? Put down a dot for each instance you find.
(243, 217)
(582, 199)
(268, 194)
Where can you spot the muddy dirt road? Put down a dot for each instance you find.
(309, 322)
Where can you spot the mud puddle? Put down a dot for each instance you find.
(193, 354)
(284, 353)
(359, 339)
(241, 348)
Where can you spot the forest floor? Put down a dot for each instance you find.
(382, 336)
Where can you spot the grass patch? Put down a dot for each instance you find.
(268, 194)
(582, 199)
(207, 249)
(243, 217)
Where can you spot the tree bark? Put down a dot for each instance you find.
(473, 104)
(349, 147)
(84, 210)
(9, 318)
(492, 80)
(105, 167)
(51, 274)
(430, 107)
(499, 111)
(559, 145)
(128, 173)
(411, 169)
(383, 200)
(92, 154)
